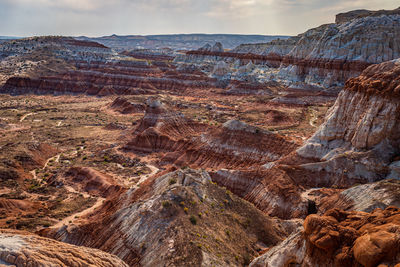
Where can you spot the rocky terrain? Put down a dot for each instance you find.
(177, 41)
(283, 153)
(18, 248)
(177, 219)
(324, 57)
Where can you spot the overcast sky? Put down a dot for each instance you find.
(124, 17)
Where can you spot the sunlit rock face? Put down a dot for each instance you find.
(359, 139)
(18, 248)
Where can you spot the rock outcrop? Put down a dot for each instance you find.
(19, 248)
(323, 57)
(366, 197)
(180, 219)
(124, 106)
(118, 78)
(163, 130)
(358, 142)
(356, 14)
(340, 238)
(236, 149)
(234, 145)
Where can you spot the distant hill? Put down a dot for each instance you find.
(179, 41)
(9, 37)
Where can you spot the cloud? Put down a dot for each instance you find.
(86, 5)
(101, 17)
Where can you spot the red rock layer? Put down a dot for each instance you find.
(380, 79)
(235, 145)
(122, 78)
(148, 56)
(89, 180)
(123, 106)
(162, 130)
(233, 148)
(236, 87)
(272, 191)
(303, 64)
(84, 43)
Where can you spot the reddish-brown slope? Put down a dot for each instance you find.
(119, 78)
(234, 145)
(124, 106)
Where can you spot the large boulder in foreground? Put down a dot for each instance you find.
(19, 248)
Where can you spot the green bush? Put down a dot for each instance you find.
(166, 204)
(193, 219)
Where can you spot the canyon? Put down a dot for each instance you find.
(283, 153)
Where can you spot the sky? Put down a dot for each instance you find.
(130, 17)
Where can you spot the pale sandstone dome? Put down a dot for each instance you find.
(19, 248)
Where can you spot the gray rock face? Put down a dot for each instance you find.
(325, 56)
(221, 69)
(355, 14)
(217, 47)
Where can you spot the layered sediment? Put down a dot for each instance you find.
(18, 248)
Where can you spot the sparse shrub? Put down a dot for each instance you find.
(166, 204)
(193, 219)
(246, 259)
(228, 233)
(172, 181)
(185, 209)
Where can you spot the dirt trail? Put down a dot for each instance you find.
(154, 170)
(56, 159)
(72, 217)
(26, 115)
(78, 215)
